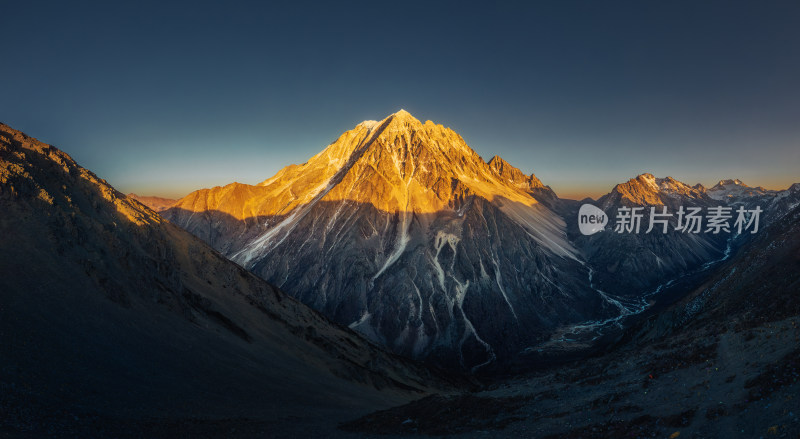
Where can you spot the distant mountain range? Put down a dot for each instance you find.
(397, 237)
(401, 231)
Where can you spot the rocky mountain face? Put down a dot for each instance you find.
(110, 310)
(528, 183)
(401, 231)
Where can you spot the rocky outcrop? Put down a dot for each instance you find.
(529, 183)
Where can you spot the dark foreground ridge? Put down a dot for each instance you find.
(115, 322)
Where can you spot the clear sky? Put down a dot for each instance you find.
(164, 98)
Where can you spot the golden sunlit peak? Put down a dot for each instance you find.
(401, 121)
(403, 115)
(399, 116)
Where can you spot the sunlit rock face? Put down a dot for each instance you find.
(401, 231)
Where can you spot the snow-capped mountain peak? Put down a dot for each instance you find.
(734, 190)
(648, 190)
(729, 182)
(401, 231)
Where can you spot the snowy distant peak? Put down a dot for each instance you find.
(667, 184)
(735, 181)
(736, 190)
(730, 182)
(647, 190)
(642, 190)
(671, 186)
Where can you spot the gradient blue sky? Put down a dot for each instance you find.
(161, 99)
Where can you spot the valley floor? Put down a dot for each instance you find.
(734, 382)
(731, 383)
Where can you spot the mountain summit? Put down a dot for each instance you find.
(403, 232)
(735, 191)
(729, 182)
(648, 190)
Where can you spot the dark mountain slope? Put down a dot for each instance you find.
(723, 362)
(758, 286)
(110, 315)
